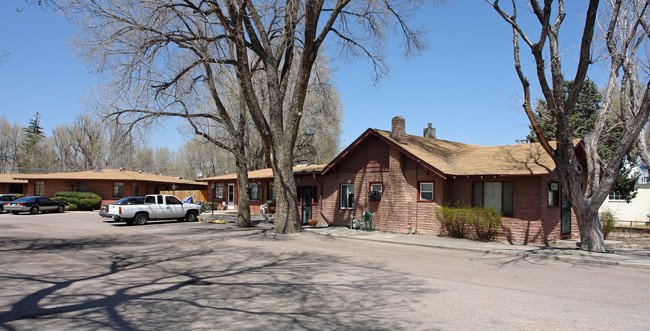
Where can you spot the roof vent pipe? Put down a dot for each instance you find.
(398, 129)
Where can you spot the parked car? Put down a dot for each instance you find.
(5, 199)
(34, 204)
(103, 211)
(156, 207)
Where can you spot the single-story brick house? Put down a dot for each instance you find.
(10, 185)
(260, 189)
(415, 175)
(110, 184)
(412, 176)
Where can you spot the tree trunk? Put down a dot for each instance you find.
(243, 201)
(591, 231)
(287, 218)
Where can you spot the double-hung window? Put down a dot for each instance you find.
(426, 191)
(347, 196)
(554, 194)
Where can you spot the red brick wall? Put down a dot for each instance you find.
(399, 209)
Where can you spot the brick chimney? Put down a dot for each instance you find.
(429, 132)
(398, 129)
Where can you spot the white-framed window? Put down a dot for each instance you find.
(553, 194)
(347, 196)
(426, 191)
(616, 196)
(377, 187)
(219, 189)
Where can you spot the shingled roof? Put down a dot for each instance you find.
(9, 179)
(268, 173)
(110, 174)
(458, 159)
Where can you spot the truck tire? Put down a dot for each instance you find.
(141, 219)
(191, 216)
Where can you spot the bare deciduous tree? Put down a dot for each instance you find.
(169, 50)
(626, 40)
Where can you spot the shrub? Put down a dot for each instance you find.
(457, 222)
(79, 200)
(486, 222)
(608, 222)
(453, 221)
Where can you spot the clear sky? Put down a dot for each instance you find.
(465, 84)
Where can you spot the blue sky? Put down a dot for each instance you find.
(465, 84)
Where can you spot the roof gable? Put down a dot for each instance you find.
(453, 158)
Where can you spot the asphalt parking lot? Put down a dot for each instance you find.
(78, 271)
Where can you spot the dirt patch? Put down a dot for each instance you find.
(637, 240)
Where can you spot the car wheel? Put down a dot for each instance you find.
(34, 210)
(60, 209)
(191, 216)
(141, 219)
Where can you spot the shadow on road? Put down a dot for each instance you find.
(130, 283)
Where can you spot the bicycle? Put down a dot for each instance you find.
(205, 207)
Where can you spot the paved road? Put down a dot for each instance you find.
(76, 271)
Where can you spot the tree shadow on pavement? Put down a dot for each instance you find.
(127, 283)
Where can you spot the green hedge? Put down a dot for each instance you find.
(79, 200)
(458, 222)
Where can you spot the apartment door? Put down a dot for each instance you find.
(231, 196)
(307, 196)
(565, 228)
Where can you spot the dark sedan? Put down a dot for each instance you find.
(5, 199)
(34, 204)
(103, 211)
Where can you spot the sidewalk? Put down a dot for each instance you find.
(617, 256)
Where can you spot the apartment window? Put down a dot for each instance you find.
(554, 194)
(218, 191)
(377, 187)
(135, 189)
(118, 190)
(81, 187)
(39, 188)
(270, 193)
(617, 196)
(426, 191)
(347, 196)
(254, 191)
(495, 195)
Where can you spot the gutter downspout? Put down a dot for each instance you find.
(320, 200)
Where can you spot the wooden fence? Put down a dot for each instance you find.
(196, 194)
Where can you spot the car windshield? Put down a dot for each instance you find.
(25, 199)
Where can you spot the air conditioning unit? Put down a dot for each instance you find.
(374, 195)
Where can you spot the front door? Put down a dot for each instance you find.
(231, 196)
(306, 204)
(566, 216)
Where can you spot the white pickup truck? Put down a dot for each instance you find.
(156, 207)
